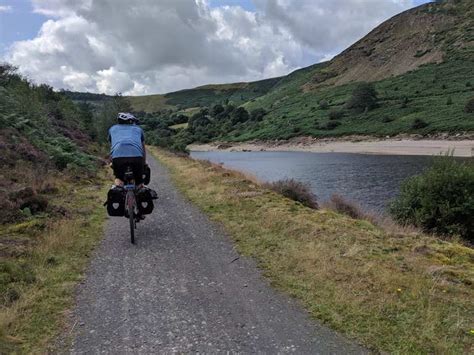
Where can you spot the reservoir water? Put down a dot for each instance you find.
(369, 180)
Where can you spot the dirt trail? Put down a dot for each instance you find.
(183, 288)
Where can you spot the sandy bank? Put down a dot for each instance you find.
(394, 146)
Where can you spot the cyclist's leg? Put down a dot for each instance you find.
(137, 164)
(119, 165)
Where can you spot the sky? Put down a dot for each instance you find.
(141, 47)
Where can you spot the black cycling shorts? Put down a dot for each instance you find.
(135, 163)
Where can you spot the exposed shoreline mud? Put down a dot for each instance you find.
(460, 145)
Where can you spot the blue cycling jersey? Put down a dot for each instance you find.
(126, 141)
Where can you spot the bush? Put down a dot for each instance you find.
(469, 108)
(364, 98)
(332, 124)
(339, 204)
(419, 123)
(449, 101)
(296, 191)
(257, 114)
(336, 114)
(441, 200)
(323, 105)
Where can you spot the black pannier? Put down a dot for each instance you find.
(145, 201)
(116, 202)
(146, 174)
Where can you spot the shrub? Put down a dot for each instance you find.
(294, 190)
(339, 204)
(332, 124)
(449, 101)
(469, 108)
(405, 102)
(364, 98)
(35, 204)
(257, 114)
(441, 200)
(336, 114)
(419, 123)
(323, 105)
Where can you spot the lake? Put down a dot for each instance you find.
(370, 180)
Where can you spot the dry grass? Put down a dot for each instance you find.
(397, 292)
(349, 208)
(294, 190)
(54, 251)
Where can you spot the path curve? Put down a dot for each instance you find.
(183, 288)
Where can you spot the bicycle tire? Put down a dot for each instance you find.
(132, 228)
(130, 205)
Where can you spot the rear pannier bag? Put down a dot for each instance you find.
(116, 202)
(145, 201)
(146, 174)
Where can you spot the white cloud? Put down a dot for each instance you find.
(148, 46)
(5, 8)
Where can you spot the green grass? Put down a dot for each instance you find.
(293, 112)
(203, 96)
(43, 258)
(179, 126)
(150, 103)
(393, 290)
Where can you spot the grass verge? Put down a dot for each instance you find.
(41, 261)
(393, 291)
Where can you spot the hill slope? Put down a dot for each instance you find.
(202, 96)
(420, 63)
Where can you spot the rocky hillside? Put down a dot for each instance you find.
(426, 34)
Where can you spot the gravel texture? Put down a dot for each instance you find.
(183, 288)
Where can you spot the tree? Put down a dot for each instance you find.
(257, 114)
(239, 115)
(217, 109)
(364, 98)
(122, 104)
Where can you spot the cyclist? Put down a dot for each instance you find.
(127, 148)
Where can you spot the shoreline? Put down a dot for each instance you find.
(360, 145)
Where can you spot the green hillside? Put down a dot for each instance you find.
(203, 96)
(420, 63)
(420, 66)
(50, 208)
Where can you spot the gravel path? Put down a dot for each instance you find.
(183, 288)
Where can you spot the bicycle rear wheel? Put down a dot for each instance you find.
(130, 204)
(131, 218)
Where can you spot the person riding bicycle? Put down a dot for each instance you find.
(128, 152)
(127, 148)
